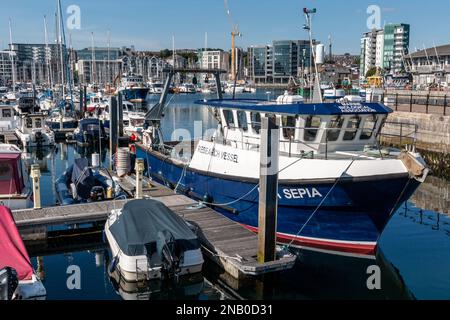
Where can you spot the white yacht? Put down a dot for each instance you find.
(33, 132)
(8, 117)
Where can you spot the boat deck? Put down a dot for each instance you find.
(224, 241)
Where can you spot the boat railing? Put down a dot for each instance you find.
(317, 147)
(399, 134)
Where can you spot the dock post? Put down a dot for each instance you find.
(36, 176)
(113, 128)
(139, 168)
(120, 113)
(268, 193)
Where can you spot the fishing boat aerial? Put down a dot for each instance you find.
(335, 193)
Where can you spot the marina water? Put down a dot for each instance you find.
(414, 255)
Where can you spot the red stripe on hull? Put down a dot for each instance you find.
(342, 247)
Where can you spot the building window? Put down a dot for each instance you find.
(311, 128)
(335, 124)
(352, 128)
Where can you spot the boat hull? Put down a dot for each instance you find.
(349, 220)
(135, 94)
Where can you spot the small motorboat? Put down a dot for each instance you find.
(15, 186)
(82, 183)
(33, 132)
(90, 132)
(18, 280)
(149, 241)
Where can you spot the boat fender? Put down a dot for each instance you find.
(113, 264)
(73, 190)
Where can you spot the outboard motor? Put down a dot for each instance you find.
(168, 249)
(97, 194)
(39, 138)
(9, 282)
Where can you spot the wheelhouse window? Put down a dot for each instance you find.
(369, 127)
(229, 119)
(29, 123)
(126, 123)
(352, 128)
(6, 113)
(312, 128)
(335, 127)
(38, 123)
(242, 120)
(288, 127)
(256, 121)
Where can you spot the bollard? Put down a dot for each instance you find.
(268, 185)
(139, 167)
(36, 176)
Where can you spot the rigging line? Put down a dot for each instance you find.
(321, 203)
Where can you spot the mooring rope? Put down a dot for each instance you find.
(320, 204)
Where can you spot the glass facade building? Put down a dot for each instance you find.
(100, 54)
(280, 61)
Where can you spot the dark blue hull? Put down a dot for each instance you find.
(135, 94)
(350, 219)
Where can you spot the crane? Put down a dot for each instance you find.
(234, 33)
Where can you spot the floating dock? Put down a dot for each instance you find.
(225, 242)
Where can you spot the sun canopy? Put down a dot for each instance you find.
(12, 250)
(11, 181)
(297, 108)
(142, 225)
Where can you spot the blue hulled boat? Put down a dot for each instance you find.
(335, 193)
(133, 88)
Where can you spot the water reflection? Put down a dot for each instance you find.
(320, 276)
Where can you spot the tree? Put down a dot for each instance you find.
(371, 72)
(166, 53)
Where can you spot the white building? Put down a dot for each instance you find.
(372, 48)
(214, 60)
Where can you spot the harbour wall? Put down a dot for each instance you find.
(432, 133)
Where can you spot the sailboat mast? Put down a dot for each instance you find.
(93, 69)
(61, 48)
(11, 54)
(48, 56)
(108, 73)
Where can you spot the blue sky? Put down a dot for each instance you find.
(150, 24)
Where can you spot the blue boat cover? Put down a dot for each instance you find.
(264, 106)
(143, 226)
(83, 178)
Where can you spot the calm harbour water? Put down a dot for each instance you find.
(414, 252)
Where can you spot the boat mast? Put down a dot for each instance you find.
(61, 49)
(11, 54)
(108, 73)
(93, 69)
(48, 56)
